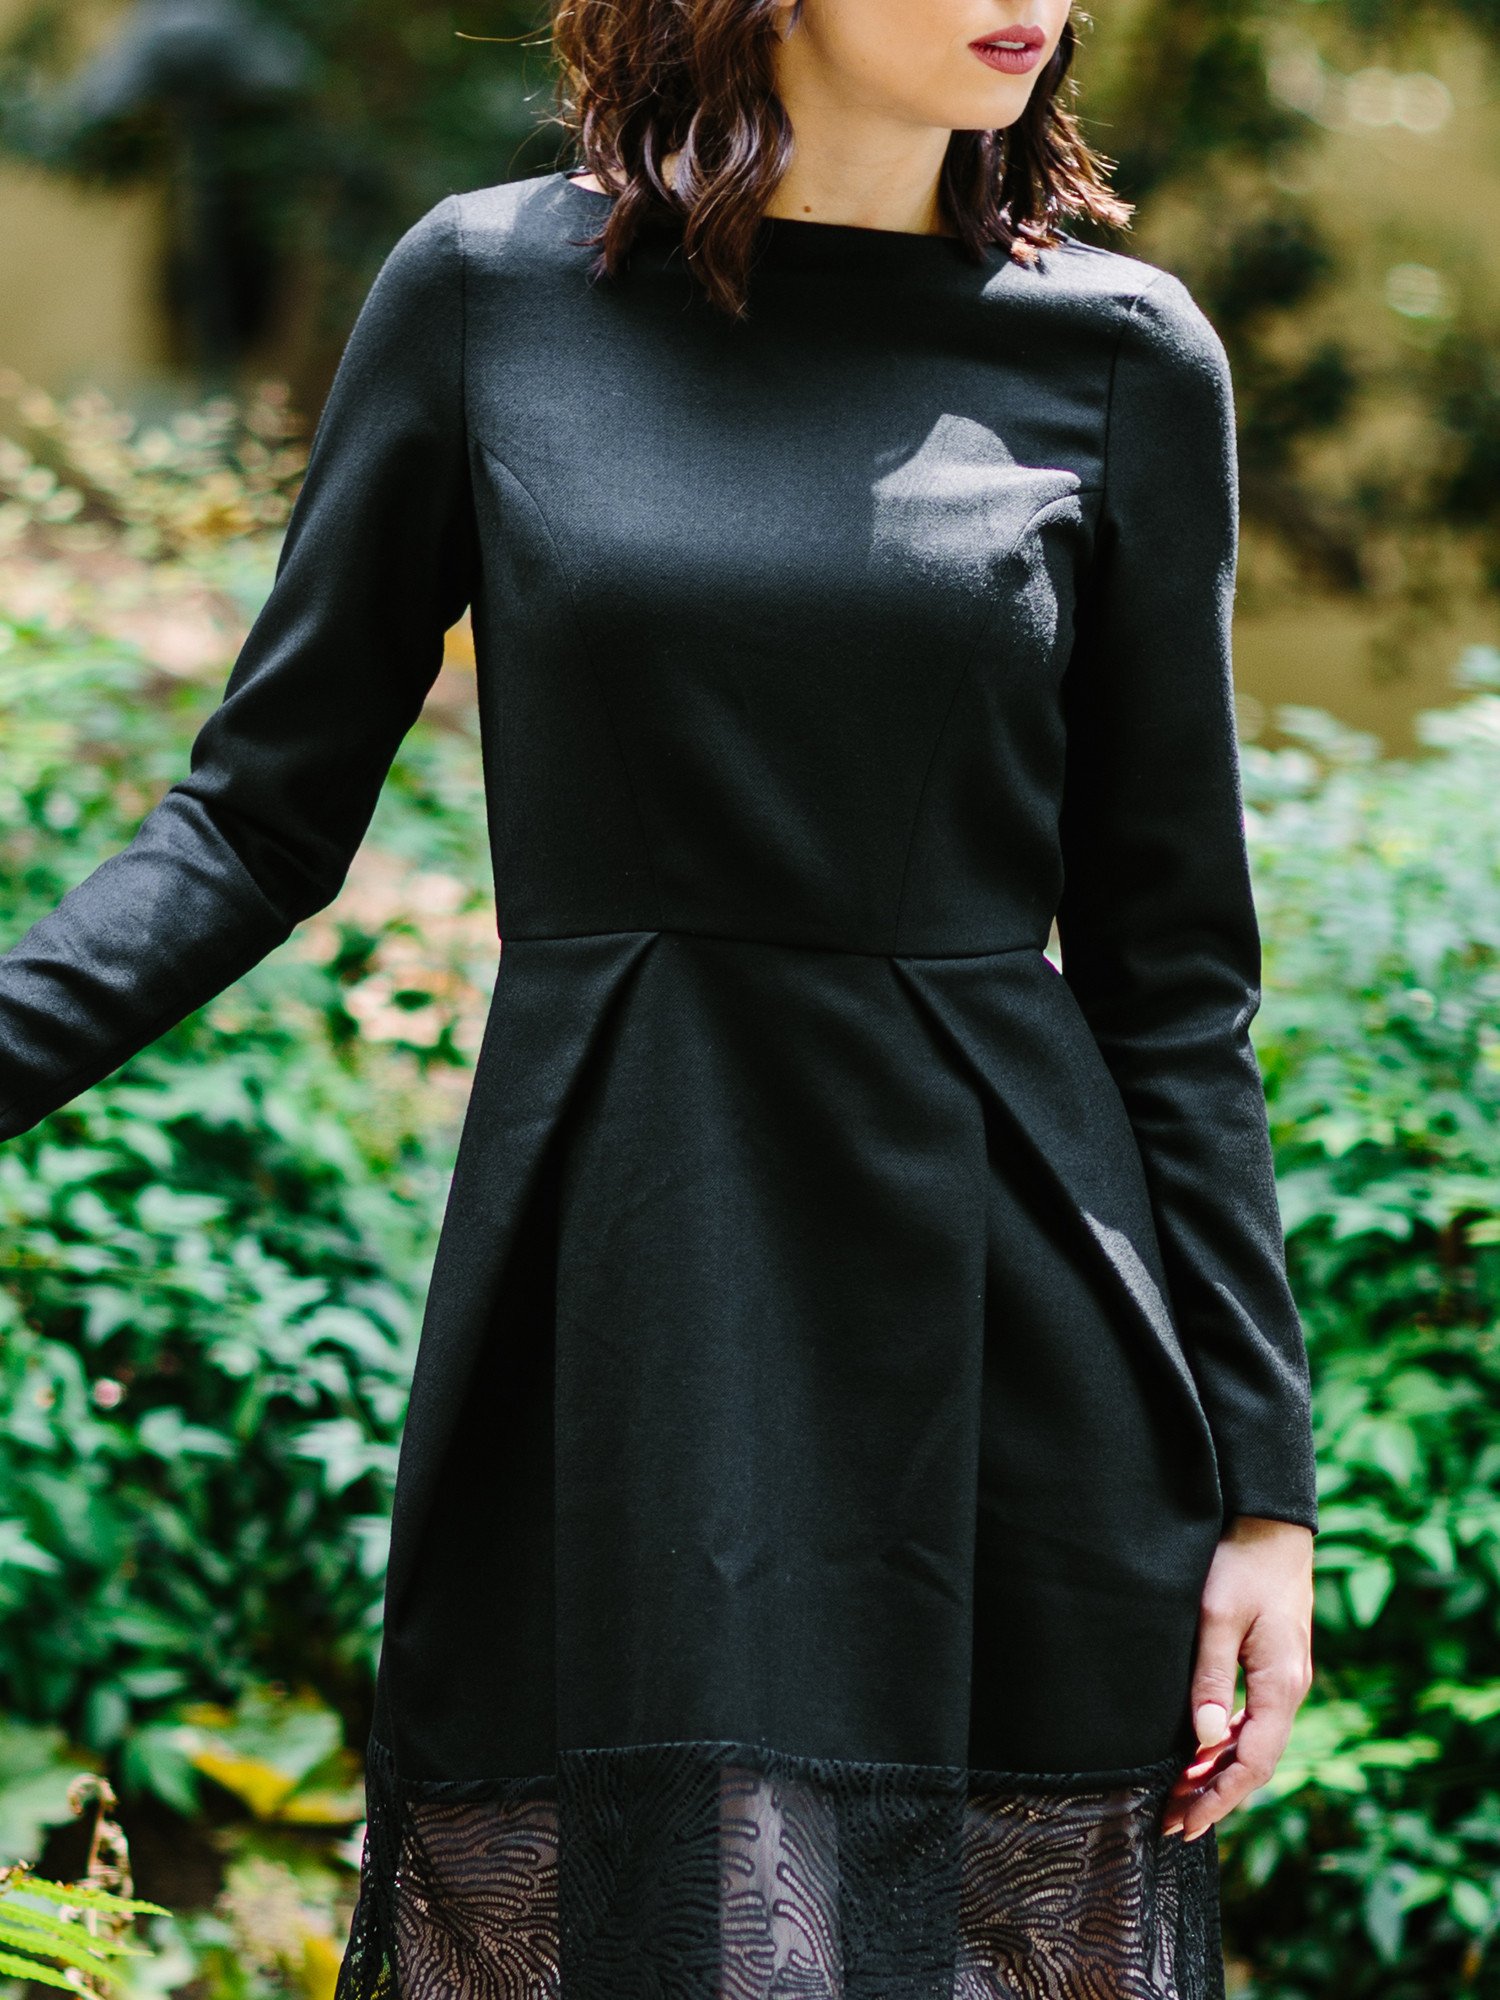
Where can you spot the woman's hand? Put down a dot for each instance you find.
(1256, 1609)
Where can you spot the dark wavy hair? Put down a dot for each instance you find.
(640, 80)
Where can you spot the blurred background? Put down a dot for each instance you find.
(197, 193)
(212, 1266)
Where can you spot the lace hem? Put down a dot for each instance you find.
(704, 1871)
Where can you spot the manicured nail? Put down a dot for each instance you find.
(1211, 1720)
(1197, 1833)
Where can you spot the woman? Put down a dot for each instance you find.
(861, 1422)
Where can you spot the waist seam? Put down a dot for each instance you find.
(769, 944)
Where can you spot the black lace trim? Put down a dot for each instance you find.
(710, 1871)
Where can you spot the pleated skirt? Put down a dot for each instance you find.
(803, 1506)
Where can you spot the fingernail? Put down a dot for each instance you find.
(1211, 1720)
(1197, 1833)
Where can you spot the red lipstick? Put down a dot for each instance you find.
(1013, 51)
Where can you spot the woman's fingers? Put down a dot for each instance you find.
(1207, 1762)
(1256, 1612)
(1274, 1691)
(1199, 1776)
(1272, 1695)
(1223, 1617)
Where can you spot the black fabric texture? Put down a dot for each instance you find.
(849, 1332)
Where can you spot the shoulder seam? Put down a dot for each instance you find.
(463, 310)
(1079, 247)
(1127, 318)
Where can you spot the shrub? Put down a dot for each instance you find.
(211, 1266)
(74, 1935)
(1371, 1865)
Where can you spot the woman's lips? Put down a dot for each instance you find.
(1014, 51)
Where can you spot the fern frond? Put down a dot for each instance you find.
(77, 1897)
(39, 1975)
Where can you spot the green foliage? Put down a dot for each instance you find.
(65, 1935)
(1371, 1865)
(97, 475)
(211, 1266)
(276, 1928)
(288, 1861)
(37, 1769)
(282, 1756)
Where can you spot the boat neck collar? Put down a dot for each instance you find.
(799, 240)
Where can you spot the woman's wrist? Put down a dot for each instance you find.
(1261, 1527)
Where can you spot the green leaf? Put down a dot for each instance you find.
(1385, 1919)
(1476, 1702)
(53, 1938)
(18, 1551)
(41, 1975)
(80, 1896)
(1475, 1908)
(1369, 1587)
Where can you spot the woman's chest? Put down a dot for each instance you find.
(830, 491)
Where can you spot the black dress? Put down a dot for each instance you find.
(848, 1332)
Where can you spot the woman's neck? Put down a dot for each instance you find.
(805, 194)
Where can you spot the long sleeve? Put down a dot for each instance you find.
(1160, 941)
(378, 561)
